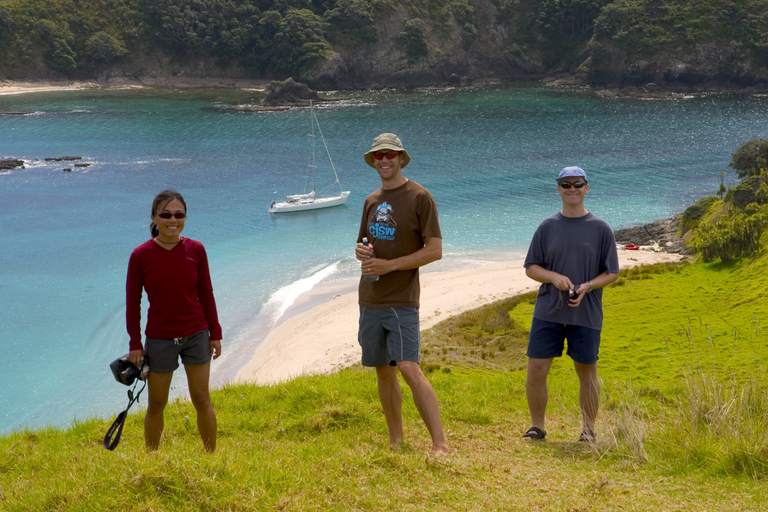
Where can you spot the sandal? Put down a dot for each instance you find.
(535, 434)
(587, 436)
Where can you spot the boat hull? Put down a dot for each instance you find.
(303, 205)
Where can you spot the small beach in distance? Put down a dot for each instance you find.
(488, 155)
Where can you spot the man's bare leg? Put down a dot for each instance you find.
(391, 397)
(426, 402)
(536, 390)
(589, 394)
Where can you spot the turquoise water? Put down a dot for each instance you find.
(489, 157)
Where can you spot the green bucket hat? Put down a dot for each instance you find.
(387, 141)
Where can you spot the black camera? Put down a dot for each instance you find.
(572, 295)
(126, 372)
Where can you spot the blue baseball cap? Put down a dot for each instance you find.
(568, 172)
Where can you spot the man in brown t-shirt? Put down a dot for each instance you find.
(400, 221)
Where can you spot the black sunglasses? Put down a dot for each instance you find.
(168, 215)
(567, 184)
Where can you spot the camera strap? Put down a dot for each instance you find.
(116, 430)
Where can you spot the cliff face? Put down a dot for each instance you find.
(452, 56)
(497, 52)
(707, 66)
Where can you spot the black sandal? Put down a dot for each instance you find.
(535, 434)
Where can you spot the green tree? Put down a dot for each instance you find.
(464, 14)
(103, 47)
(414, 38)
(721, 190)
(352, 21)
(60, 56)
(299, 43)
(750, 157)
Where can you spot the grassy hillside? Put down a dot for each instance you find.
(682, 426)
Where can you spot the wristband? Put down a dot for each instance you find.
(590, 287)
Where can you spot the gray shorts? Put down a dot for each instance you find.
(389, 335)
(163, 354)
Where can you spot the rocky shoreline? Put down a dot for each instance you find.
(663, 235)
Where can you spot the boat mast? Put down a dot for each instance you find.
(312, 158)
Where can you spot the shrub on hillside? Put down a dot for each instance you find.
(103, 47)
(693, 214)
(732, 236)
(61, 56)
(747, 192)
(414, 38)
(750, 157)
(351, 21)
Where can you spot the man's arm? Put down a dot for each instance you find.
(542, 275)
(600, 281)
(432, 251)
(603, 279)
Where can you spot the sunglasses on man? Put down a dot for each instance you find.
(379, 155)
(567, 184)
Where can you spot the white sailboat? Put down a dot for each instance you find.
(310, 200)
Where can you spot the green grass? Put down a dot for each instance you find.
(682, 425)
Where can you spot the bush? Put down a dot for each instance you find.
(748, 191)
(414, 38)
(351, 22)
(750, 157)
(693, 214)
(103, 47)
(733, 236)
(61, 56)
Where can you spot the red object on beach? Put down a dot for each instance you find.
(632, 247)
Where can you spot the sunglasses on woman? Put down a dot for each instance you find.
(567, 184)
(168, 215)
(389, 154)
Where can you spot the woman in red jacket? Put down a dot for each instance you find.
(181, 321)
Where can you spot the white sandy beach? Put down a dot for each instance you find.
(20, 87)
(324, 338)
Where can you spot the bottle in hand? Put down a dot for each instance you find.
(370, 279)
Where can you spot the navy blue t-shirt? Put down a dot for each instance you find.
(580, 248)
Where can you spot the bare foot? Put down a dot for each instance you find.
(440, 449)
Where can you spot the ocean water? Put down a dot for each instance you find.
(489, 157)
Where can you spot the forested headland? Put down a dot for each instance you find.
(359, 44)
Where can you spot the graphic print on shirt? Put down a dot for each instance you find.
(382, 225)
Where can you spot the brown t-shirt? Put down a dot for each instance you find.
(396, 222)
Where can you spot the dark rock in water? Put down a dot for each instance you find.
(82, 165)
(6, 112)
(289, 92)
(664, 232)
(13, 163)
(67, 169)
(64, 159)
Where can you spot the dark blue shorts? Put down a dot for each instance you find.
(389, 335)
(547, 340)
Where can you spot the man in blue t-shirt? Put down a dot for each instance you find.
(573, 254)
